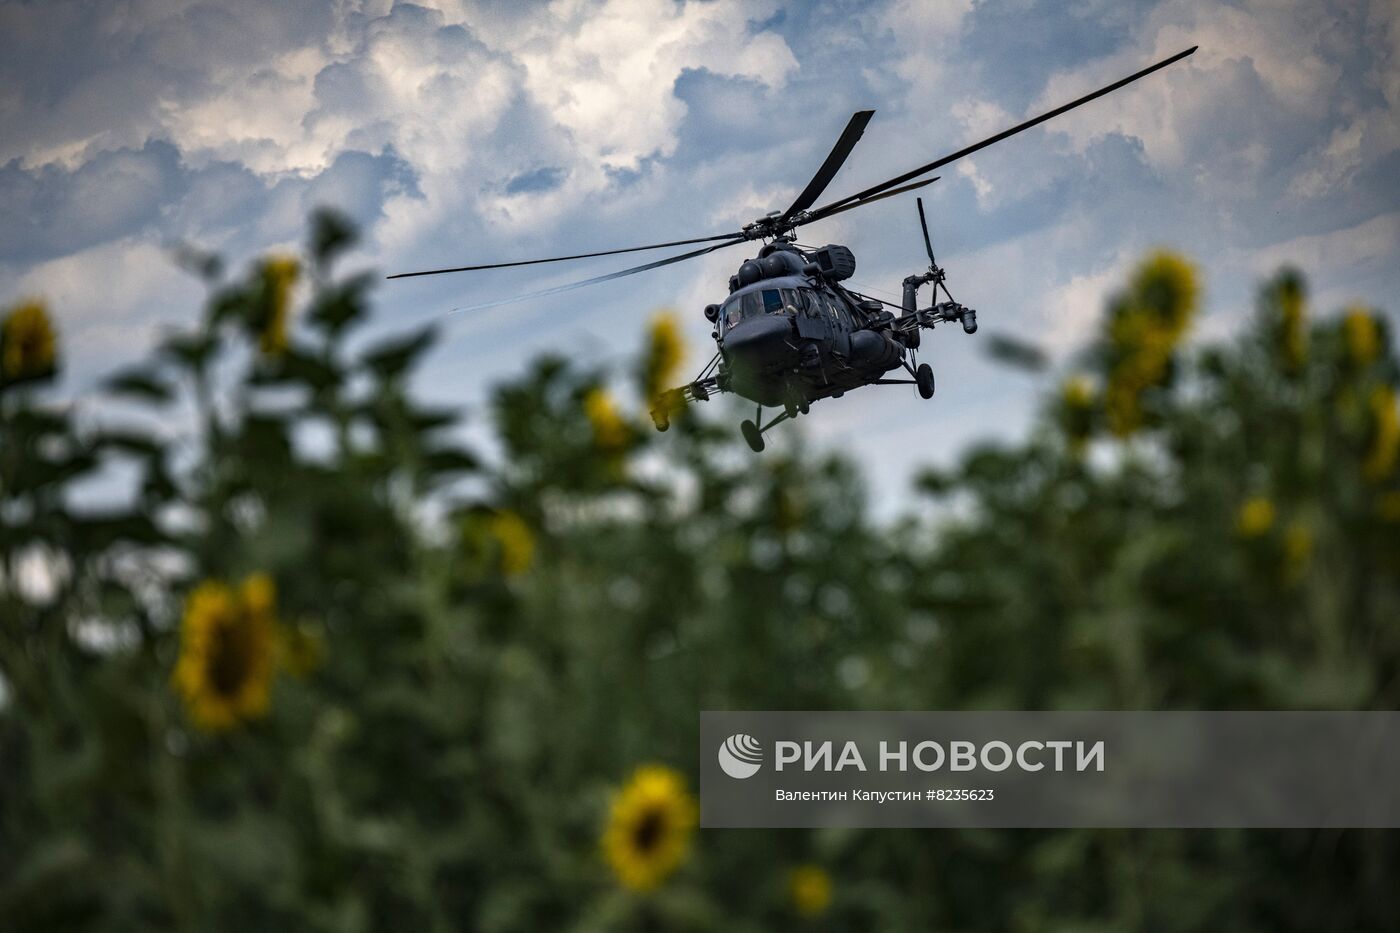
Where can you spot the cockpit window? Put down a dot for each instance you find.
(767, 301)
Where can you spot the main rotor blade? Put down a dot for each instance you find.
(601, 278)
(1034, 121)
(535, 262)
(833, 210)
(928, 244)
(834, 160)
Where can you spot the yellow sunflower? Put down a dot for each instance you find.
(809, 890)
(497, 541)
(515, 541)
(1256, 517)
(1293, 334)
(1385, 435)
(228, 648)
(1363, 338)
(279, 274)
(610, 430)
(1165, 286)
(1297, 550)
(1388, 506)
(28, 342)
(649, 827)
(1076, 411)
(664, 354)
(1144, 328)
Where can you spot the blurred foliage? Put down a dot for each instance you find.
(322, 668)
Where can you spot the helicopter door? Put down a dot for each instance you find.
(838, 325)
(811, 316)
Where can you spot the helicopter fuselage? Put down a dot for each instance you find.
(789, 335)
(793, 339)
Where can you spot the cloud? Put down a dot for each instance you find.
(1073, 310)
(98, 77)
(455, 130)
(1352, 252)
(109, 299)
(56, 211)
(606, 73)
(53, 211)
(285, 89)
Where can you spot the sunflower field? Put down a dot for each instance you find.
(320, 667)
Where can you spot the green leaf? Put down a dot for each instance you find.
(389, 359)
(190, 350)
(136, 382)
(450, 460)
(336, 307)
(332, 233)
(424, 420)
(129, 442)
(295, 366)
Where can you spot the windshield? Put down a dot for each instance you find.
(768, 301)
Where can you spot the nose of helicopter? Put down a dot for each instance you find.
(759, 343)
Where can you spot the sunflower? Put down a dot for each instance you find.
(1297, 550)
(1165, 286)
(1388, 506)
(1076, 411)
(649, 827)
(514, 541)
(1145, 326)
(1363, 339)
(1255, 517)
(1385, 435)
(809, 890)
(279, 274)
(496, 541)
(1291, 326)
(27, 342)
(664, 354)
(228, 646)
(610, 432)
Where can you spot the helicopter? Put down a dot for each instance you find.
(790, 333)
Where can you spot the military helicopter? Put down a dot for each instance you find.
(790, 333)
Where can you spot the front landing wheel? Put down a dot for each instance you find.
(924, 377)
(752, 436)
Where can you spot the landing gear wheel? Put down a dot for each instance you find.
(924, 377)
(791, 408)
(804, 406)
(752, 436)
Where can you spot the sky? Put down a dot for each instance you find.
(460, 132)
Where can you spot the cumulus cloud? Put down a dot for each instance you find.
(123, 128)
(453, 129)
(54, 211)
